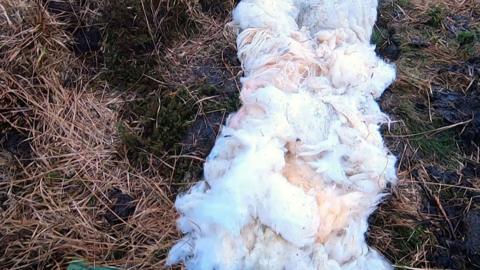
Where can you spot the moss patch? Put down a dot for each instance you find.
(163, 121)
(409, 239)
(128, 47)
(135, 37)
(439, 146)
(435, 16)
(466, 37)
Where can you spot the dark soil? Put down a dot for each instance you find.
(217, 7)
(471, 226)
(455, 107)
(123, 207)
(435, 106)
(419, 42)
(202, 133)
(390, 50)
(65, 10)
(455, 231)
(16, 144)
(387, 44)
(87, 39)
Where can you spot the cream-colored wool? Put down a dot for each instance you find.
(296, 172)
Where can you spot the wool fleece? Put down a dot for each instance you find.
(296, 172)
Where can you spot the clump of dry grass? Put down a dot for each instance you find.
(55, 202)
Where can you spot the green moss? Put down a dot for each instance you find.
(207, 90)
(226, 104)
(379, 36)
(128, 47)
(440, 146)
(409, 239)
(186, 171)
(435, 16)
(404, 3)
(449, 194)
(172, 118)
(164, 120)
(92, 201)
(54, 176)
(4, 127)
(119, 252)
(134, 37)
(233, 104)
(465, 37)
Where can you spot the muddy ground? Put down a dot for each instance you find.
(170, 72)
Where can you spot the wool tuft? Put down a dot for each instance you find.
(296, 172)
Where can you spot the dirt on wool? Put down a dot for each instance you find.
(109, 108)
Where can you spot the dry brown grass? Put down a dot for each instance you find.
(56, 201)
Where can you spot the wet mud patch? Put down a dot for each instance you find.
(387, 45)
(16, 143)
(450, 198)
(85, 37)
(202, 133)
(471, 226)
(455, 107)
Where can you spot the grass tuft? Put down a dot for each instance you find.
(436, 16)
(466, 37)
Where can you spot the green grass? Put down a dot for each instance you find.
(466, 37)
(441, 146)
(404, 3)
(379, 36)
(411, 238)
(436, 16)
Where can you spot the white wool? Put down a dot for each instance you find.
(296, 172)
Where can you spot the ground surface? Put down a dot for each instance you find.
(108, 108)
